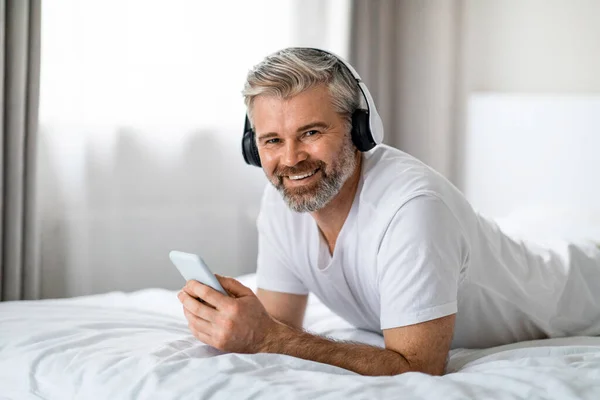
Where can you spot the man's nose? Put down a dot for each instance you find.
(293, 153)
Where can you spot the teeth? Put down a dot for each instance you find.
(302, 176)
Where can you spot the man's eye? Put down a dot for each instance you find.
(272, 141)
(311, 133)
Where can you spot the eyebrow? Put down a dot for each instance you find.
(316, 124)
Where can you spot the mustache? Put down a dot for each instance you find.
(303, 168)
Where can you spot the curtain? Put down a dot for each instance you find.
(141, 118)
(19, 90)
(407, 53)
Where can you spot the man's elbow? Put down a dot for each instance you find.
(416, 365)
(431, 368)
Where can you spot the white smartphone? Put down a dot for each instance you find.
(191, 266)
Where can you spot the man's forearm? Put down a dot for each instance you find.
(357, 357)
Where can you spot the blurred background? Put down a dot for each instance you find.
(141, 116)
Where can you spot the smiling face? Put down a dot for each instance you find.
(305, 147)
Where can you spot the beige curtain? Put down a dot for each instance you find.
(19, 90)
(407, 52)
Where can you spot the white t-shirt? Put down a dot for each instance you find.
(412, 249)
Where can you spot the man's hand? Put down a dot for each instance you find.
(238, 324)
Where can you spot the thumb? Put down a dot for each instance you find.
(233, 286)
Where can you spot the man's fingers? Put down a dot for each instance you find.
(197, 324)
(206, 293)
(233, 286)
(204, 338)
(196, 307)
(199, 327)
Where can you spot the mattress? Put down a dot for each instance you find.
(137, 345)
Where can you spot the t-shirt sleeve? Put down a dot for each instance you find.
(419, 263)
(274, 270)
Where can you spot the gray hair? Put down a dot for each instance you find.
(291, 71)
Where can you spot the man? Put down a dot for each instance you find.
(380, 238)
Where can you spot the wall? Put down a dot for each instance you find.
(534, 46)
(449, 49)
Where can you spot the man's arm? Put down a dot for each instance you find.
(241, 324)
(421, 347)
(284, 307)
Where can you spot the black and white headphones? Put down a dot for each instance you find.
(367, 127)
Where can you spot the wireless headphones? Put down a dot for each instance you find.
(367, 127)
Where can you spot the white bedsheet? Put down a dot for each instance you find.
(137, 345)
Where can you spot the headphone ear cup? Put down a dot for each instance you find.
(361, 131)
(249, 149)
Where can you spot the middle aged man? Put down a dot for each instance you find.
(383, 240)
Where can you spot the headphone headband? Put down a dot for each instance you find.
(375, 122)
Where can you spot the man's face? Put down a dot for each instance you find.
(304, 147)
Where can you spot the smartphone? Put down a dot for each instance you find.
(192, 267)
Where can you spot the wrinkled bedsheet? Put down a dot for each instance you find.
(137, 345)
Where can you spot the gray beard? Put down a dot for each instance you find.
(320, 194)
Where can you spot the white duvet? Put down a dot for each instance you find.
(137, 345)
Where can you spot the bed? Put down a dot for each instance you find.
(137, 345)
